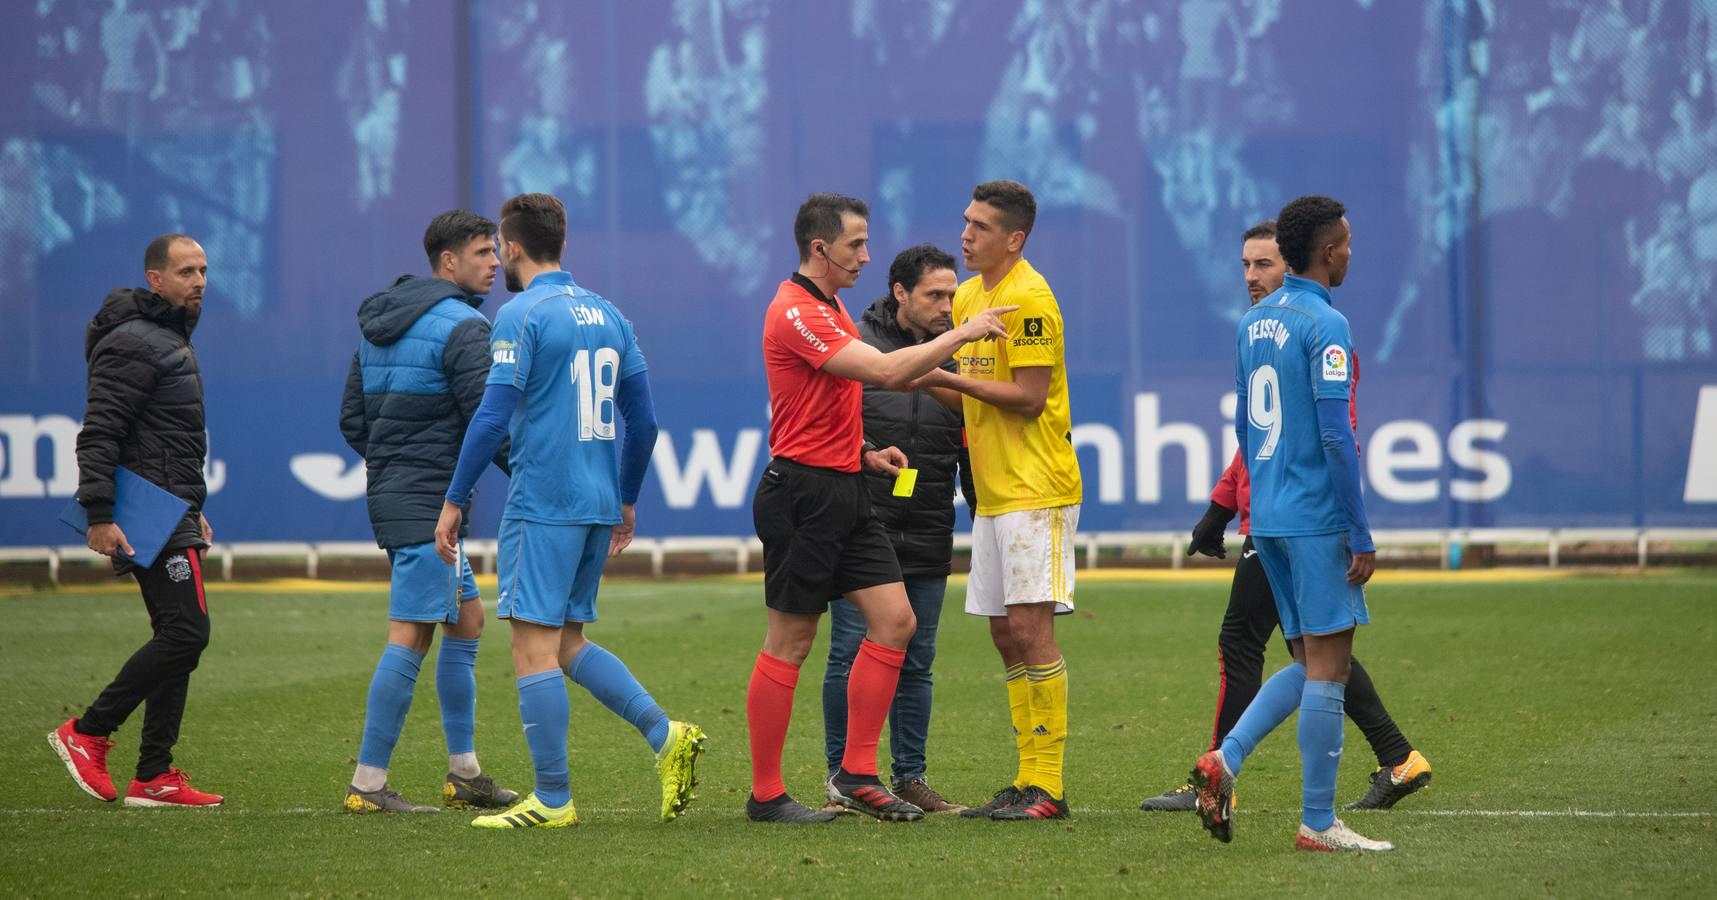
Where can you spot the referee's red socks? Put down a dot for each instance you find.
(768, 709)
(870, 692)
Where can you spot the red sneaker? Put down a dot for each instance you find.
(172, 789)
(85, 757)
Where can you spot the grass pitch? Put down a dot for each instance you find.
(1570, 722)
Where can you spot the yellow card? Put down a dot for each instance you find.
(905, 482)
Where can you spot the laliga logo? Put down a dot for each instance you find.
(1333, 358)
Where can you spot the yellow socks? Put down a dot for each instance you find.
(1046, 689)
(1019, 708)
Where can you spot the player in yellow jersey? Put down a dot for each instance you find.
(1019, 429)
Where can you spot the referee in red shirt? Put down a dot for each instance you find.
(812, 510)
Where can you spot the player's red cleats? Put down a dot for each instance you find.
(85, 757)
(170, 789)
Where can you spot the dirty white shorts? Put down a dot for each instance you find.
(1022, 557)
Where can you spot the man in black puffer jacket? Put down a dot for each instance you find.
(415, 382)
(145, 412)
(921, 527)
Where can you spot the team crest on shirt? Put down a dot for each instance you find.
(1335, 363)
(178, 568)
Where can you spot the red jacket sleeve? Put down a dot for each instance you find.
(1227, 491)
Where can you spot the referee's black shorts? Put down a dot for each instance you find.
(820, 539)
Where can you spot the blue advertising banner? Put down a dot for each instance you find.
(1532, 188)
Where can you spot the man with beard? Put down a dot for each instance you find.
(145, 412)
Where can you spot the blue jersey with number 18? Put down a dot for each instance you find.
(1295, 350)
(566, 349)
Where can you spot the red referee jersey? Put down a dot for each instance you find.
(1234, 489)
(815, 418)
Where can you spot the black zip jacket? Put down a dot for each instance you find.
(921, 527)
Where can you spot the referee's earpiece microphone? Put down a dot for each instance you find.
(826, 258)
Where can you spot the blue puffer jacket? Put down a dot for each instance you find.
(414, 384)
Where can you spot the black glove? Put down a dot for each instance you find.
(1208, 533)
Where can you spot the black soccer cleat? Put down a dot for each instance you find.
(867, 794)
(1035, 803)
(1003, 799)
(1389, 785)
(784, 810)
(1181, 799)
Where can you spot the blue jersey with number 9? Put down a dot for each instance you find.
(1295, 350)
(567, 349)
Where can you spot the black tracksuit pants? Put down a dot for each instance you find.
(159, 673)
(1246, 628)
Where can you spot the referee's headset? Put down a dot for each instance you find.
(824, 249)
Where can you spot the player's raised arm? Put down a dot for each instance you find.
(898, 370)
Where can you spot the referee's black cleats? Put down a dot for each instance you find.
(784, 810)
(868, 795)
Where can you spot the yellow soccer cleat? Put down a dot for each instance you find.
(530, 813)
(677, 766)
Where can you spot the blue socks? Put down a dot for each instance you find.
(611, 683)
(544, 712)
(456, 685)
(389, 701)
(1320, 750)
(1275, 701)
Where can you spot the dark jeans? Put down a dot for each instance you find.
(159, 673)
(909, 716)
(1246, 627)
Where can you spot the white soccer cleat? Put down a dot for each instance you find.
(1337, 837)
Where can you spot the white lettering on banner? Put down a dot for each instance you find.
(21, 474)
(1465, 452)
(729, 480)
(1385, 463)
(1150, 436)
(1107, 442)
(1385, 458)
(328, 475)
(1701, 485)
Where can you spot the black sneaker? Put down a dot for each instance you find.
(479, 792)
(867, 794)
(1003, 799)
(784, 810)
(1181, 799)
(1035, 803)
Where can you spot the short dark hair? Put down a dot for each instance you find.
(536, 222)
(913, 263)
(155, 256)
(1301, 224)
(819, 219)
(1018, 207)
(1264, 229)
(452, 230)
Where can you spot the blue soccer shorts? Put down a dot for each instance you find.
(425, 589)
(549, 573)
(1308, 575)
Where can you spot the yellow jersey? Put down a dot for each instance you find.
(1018, 463)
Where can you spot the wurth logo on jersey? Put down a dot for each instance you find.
(799, 326)
(1335, 363)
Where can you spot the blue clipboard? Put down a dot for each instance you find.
(146, 513)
